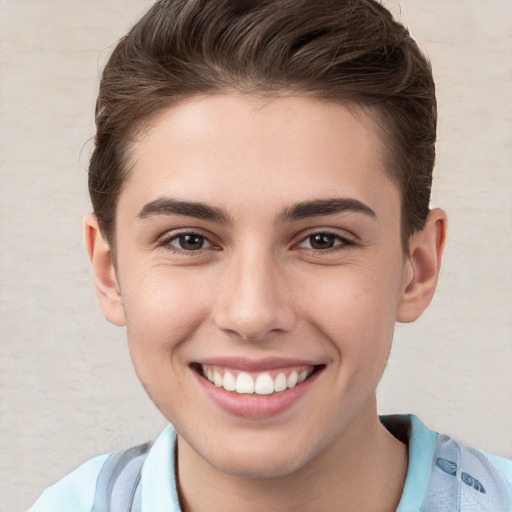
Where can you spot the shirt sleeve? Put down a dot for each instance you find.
(74, 492)
(504, 465)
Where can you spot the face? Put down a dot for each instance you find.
(260, 271)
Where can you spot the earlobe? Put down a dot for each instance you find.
(421, 271)
(103, 271)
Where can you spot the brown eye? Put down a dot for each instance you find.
(322, 241)
(325, 241)
(190, 242)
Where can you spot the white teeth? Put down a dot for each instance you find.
(229, 383)
(217, 379)
(291, 381)
(302, 377)
(244, 383)
(264, 384)
(280, 382)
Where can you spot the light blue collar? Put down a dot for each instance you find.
(421, 446)
(158, 480)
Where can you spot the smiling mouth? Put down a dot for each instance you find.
(255, 383)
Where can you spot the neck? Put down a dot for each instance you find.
(364, 469)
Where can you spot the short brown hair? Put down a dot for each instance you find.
(348, 51)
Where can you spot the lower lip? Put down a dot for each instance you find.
(255, 406)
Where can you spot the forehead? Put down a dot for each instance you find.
(245, 151)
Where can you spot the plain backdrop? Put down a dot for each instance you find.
(67, 388)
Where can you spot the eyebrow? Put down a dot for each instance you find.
(169, 206)
(313, 208)
(319, 207)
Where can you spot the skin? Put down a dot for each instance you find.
(259, 287)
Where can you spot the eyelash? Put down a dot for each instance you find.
(167, 243)
(344, 242)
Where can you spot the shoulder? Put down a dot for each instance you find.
(504, 465)
(445, 475)
(134, 478)
(469, 478)
(75, 492)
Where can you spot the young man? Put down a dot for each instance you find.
(260, 184)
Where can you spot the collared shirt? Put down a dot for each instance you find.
(473, 479)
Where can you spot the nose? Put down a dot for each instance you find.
(253, 301)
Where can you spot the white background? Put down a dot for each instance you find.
(66, 384)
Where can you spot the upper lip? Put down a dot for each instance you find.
(255, 365)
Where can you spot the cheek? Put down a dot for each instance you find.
(162, 303)
(163, 309)
(162, 313)
(356, 311)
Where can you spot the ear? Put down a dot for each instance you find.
(103, 271)
(422, 268)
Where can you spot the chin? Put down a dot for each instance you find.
(259, 461)
(256, 469)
